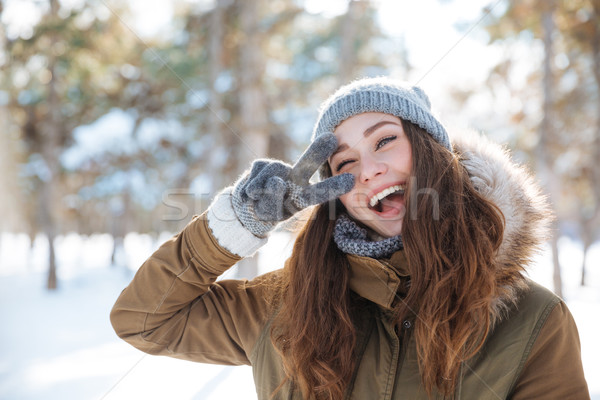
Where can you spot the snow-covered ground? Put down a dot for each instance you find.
(60, 345)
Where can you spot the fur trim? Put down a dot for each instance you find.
(526, 211)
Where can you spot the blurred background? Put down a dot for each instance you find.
(120, 120)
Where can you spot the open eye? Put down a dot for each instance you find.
(385, 140)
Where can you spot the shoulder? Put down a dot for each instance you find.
(503, 357)
(537, 300)
(512, 338)
(526, 317)
(551, 366)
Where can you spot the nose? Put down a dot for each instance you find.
(370, 167)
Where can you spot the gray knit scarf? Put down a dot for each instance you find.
(353, 239)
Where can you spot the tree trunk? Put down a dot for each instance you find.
(254, 121)
(254, 135)
(215, 68)
(347, 61)
(596, 171)
(50, 141)
(556, 276)
(121, 215)
(596, 68)
(546, 136)
(52, 283)
(46, 204)
(32, 235)
(587, 242)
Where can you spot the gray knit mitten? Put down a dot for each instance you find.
(273, 191)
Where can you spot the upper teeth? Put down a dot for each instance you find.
(385, 192)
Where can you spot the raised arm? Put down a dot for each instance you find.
(174, 307)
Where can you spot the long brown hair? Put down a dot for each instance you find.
(313, 330)
(450, 234)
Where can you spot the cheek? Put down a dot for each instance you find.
(407, 157)
(351, 206)
(345, 199)
(354, 202)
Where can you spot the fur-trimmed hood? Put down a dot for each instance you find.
(526, 211)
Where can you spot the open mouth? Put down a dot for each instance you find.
(390, 199)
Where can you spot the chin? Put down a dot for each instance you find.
(381, 227)
(389, 234)
(388, 231)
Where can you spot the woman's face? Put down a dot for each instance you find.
(374, 148)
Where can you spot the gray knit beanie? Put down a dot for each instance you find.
(380, 95)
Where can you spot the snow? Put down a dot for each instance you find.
(60, 345)
(110, 133)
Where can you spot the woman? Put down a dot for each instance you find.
(405, 282)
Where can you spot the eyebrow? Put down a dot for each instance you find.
(366, 134)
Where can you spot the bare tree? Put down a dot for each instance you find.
(590, 228)
(254, 138)
(546, 133)
(215, 66)
(348, 38)
(50, 151)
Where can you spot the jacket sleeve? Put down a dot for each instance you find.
(553, 369)
(174, 306)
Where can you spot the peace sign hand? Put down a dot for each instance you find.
(273, 191)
